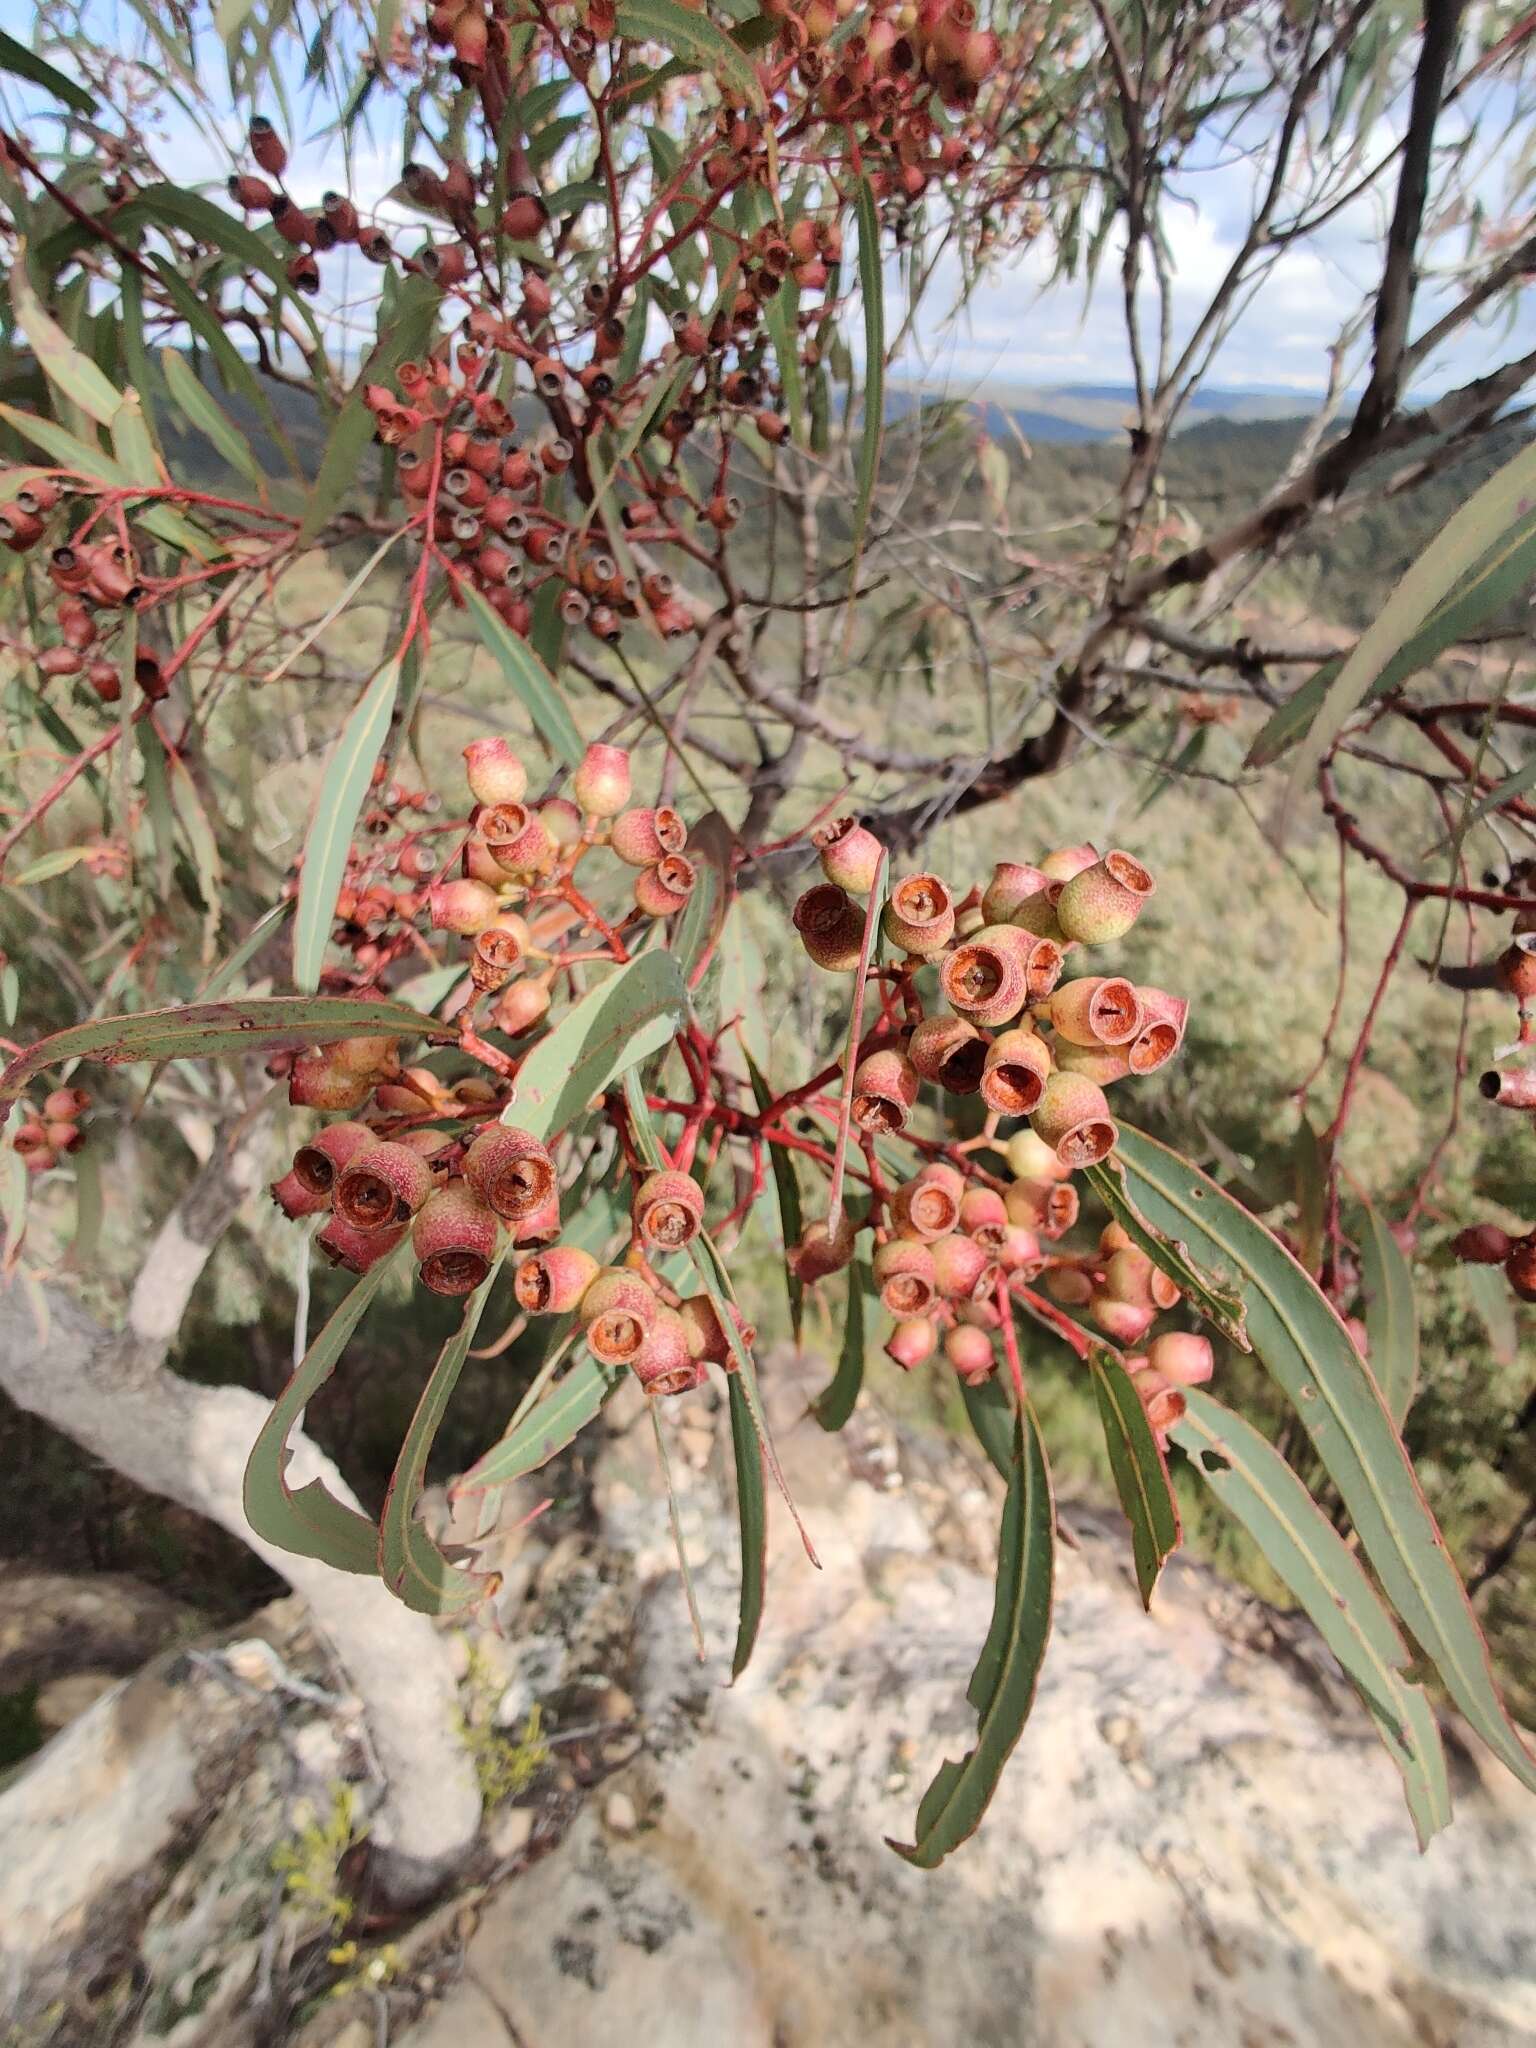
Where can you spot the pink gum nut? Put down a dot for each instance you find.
(553, 1282)
(662, 890)
(1123, 1322)
(928, 1207)
(919, 916)
(316, 1082)
(969, 1351)
(462, 906)
(823, 1248)
(1067, 861)
(1013, 883)
(1104, 901)
(830, 927)
(1013, 1076)
(454, 1239)
(1100, 1009)
(1073, 1118)
(356, 1250)
(1019, 1250)
(520, 1006)
(960, 1266)
(985, 978)
(668, 1210)
(317, 1164)
(950, 1052)
(540, 1225)
(479, 866)
(561, 820)
(850, 854)
(884, 1090)
(510, 1171)
(1037, 914)
(1163, 1402)
(601, 784)
(1182, 1357)
(904, 1275)
(664, 1364)
(369, 1056)
(706, 1335)
(494, 772)
(1102, 1064)
(294, 1198)
(382, 1184)
(1065, 1284)
(1163, 1018)
(981, 1208)
(911, 1343)
(641, 837)
(617, 1309)
(517, 837)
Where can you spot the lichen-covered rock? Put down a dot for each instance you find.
(1198, 1840)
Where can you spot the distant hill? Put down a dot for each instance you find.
(1090, 412)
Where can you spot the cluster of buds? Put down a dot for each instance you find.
(309, 235)
(1487, 1244)
(96, 581)
(455, 1196)
(44, 1137)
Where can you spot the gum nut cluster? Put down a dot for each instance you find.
(1487, 1244)
(44, 1137)
(1033, 1045)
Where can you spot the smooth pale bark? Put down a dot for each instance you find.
(111, 1392)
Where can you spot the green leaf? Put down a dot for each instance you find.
(1258, 1488)
(1302, 1343)
(1311, 1167)
(791, 1218)
(209, 417)
(1002, 1688)
(1141, 1475)
(21, 62)
(989, 1408)
(547, 1428)
(1465, 538)
(342, 790)
(872, 292)
(49, 865)
(836, 1401)
(205, 1031)
(752, 1520)
(1503, 575)
(1216, 1298)
(623, 1020)
(1391, 1314)
(694, 40)
(312, 1522)
(711, 848)
(1503, 792)
(60, 361)
(781, 318)
(413, 1567)
(534, 685)
(403, 334)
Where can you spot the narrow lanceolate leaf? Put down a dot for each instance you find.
(1391, 1314)
(694, 40)
(21, 62)
(205, 413)
(1504, 574)
(791, 1220)
(342, 790)
(60, 361)
(711, 848)
(1311, 1169)
(204, 1031)
(404, 336)
(990, 1411)
(535, 687)
(752, 1520)
(414, 1568)
(1002, 1688)
(628, 1016)
(1302, 1343)
(872, 291)
(1466, 536)
(1214, 1295)
(1141, 1475)
(837, 1400)
(312, 1522)
(1260, 1490)
(557, 1420)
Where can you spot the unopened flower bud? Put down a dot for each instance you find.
(315, 1081)
(520, 1006)
(969, 1351)
(495, 773)
(1012, 884)
(961, 1267)
(912, 1343)
(1482, 1244)
(1182, 1357)
(601, 784)
(825, 1247)
(462, 906)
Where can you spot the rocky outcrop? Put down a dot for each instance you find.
(1198, 1837)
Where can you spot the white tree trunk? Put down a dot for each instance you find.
(110, 1391)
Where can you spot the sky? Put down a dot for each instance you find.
(1019, 327)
